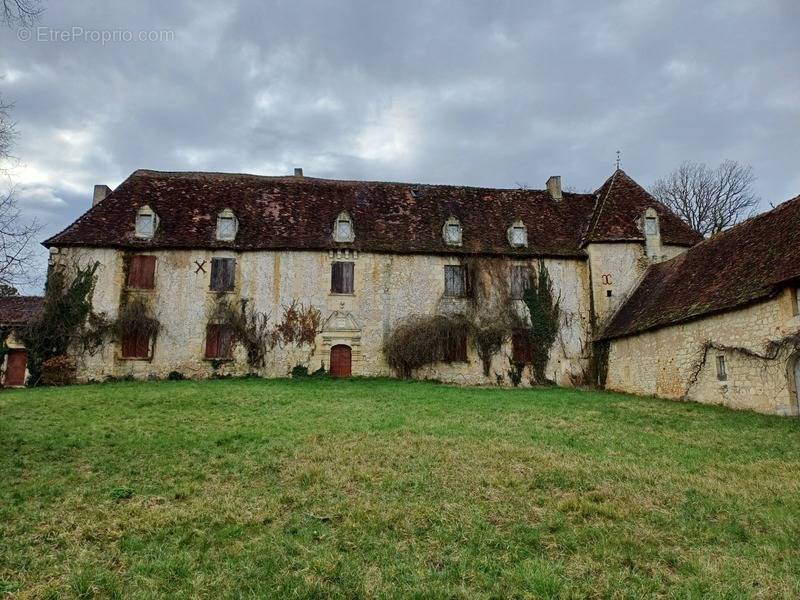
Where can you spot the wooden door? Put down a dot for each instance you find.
(797, 379)
(16, 363)
(341, 357)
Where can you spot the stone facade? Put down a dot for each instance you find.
(665, 362)
(617, 269)
(387, 288)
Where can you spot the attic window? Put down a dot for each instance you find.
(518, 235)
(146, 223)
(452, 232)
(227, 225)
(343, 230)
(651, 226)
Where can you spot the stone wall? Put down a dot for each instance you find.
(617, 268)
(387, 289)
(663, 362)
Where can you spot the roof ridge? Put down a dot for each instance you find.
(726, 232)
(599, 209)
(411, 184)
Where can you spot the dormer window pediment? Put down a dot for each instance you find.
(227, 225)
(452, 232)
(146, 223)
(343, 230)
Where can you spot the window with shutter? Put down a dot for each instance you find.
(455, 281)
(456, 350)
(521, 351)
(135, 345)
(223, 274)
(520, 281)
(342, 278)
(142, 272)
(219, 341)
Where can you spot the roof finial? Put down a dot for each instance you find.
(617, 160)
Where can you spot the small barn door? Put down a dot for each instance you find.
(341, 357)
(16, 364)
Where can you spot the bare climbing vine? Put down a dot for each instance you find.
(253, 329)
(773, 350)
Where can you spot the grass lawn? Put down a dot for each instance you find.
(385, 488)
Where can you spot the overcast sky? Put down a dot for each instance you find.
(477, 93)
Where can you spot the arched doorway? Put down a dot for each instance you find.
(341, 361)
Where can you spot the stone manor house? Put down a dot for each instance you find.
(646, 305)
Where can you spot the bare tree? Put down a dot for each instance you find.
(709, 200)
(16, 234)
(22, 13)
(6, 131)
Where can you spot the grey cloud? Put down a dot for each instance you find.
(456, 92)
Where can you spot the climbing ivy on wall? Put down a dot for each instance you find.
(544, 309)
(67, 305)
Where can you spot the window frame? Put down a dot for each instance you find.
(517, 228)
(722, 368)
(453, 224)
(464, 287)
(456, 351)
(515, 278)
(231, 284)
(795, 301)
(215, 333)
(227, 216)
(342, 266)
(341, 218)
(136, 341)
(648, 221)
(134, 267)
(145, 212)
(521, 347)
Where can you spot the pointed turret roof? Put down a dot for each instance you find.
(621, 202)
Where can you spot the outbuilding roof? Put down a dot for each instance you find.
(750, 262)
(19, 310)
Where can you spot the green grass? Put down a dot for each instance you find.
(251, 488)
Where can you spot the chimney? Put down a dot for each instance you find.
(100, 193)
(298, 172)
(554, 187)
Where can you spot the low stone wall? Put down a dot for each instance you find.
(681, 362)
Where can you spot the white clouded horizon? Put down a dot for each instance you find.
(490, 94)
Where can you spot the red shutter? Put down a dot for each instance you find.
(135, 345)
(142, 272)
(521, 352)
(212, 341)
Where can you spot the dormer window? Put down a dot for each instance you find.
(227, 225)
(518, 235)
(650, 222)
(343, 230)
(146, 223)
(452, 232)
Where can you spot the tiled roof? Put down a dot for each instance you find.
(299, 212)
(18, 310)
(621, 202)
(750, 262)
